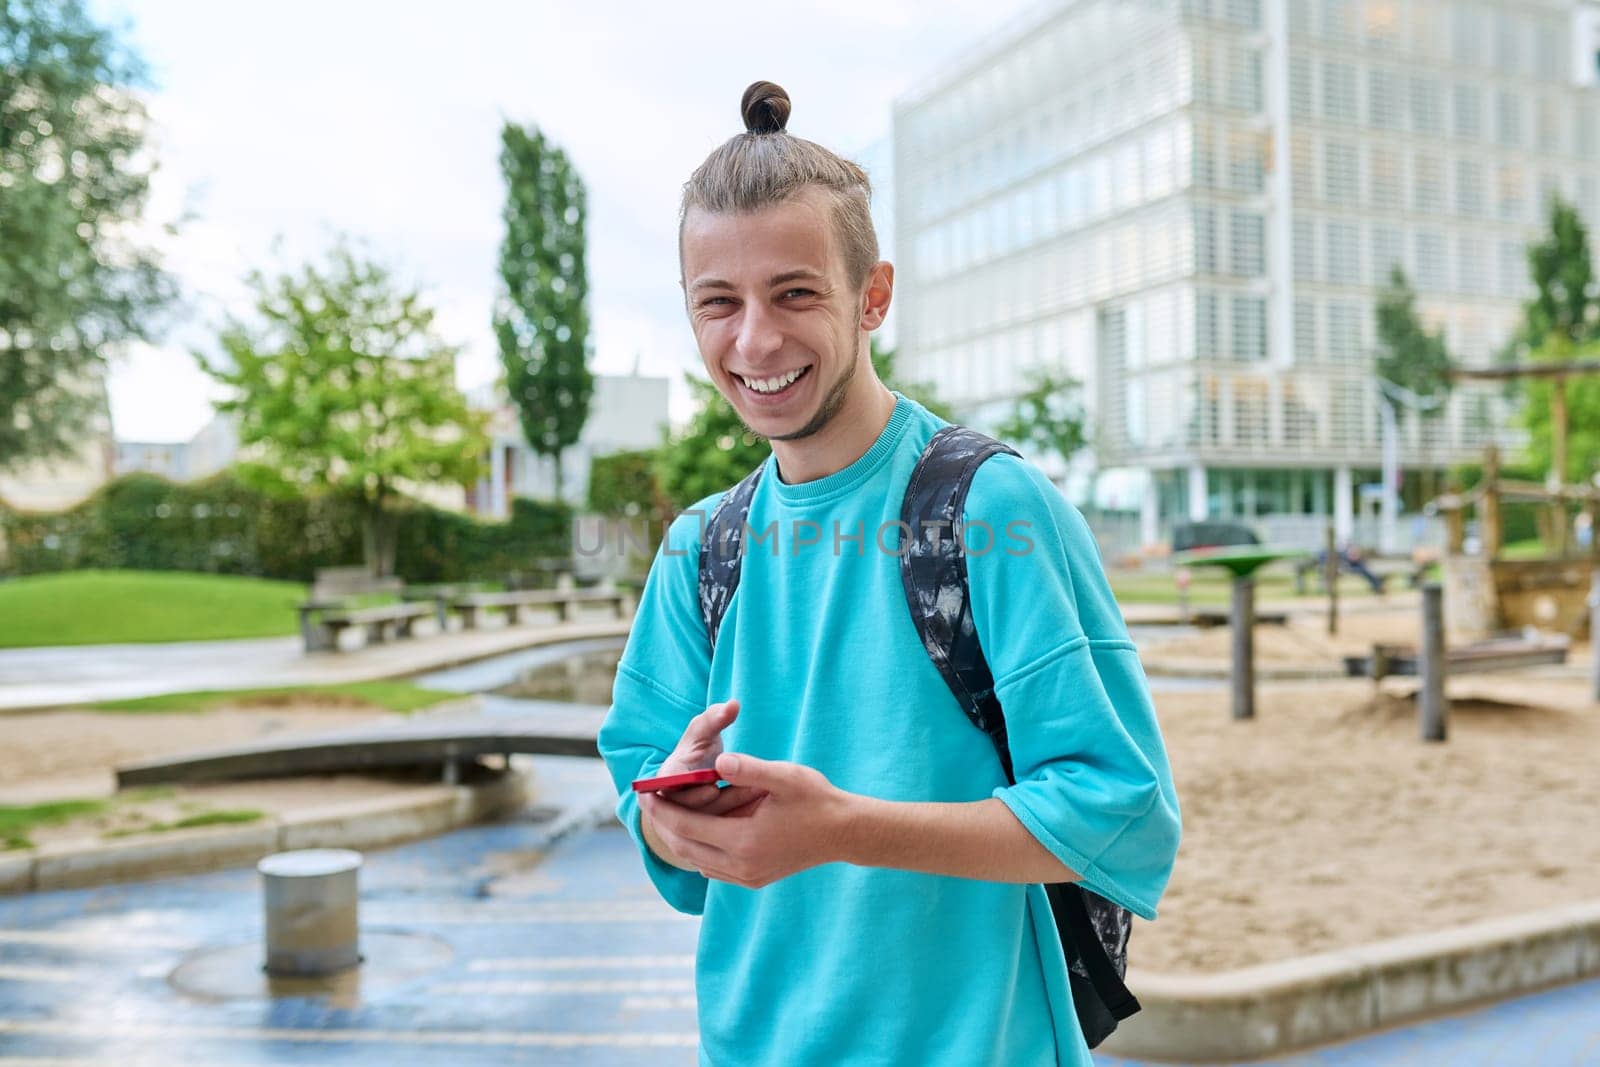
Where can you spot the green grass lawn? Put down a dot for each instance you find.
(387, 694)
(114, 607)
(1213, 586)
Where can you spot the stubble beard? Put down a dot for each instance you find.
(831, 404)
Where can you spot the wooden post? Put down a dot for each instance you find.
(1431, 705)
(1330, 578)
(1455, 519)
(1244, 669)
(1556, 542)
(1489, 513)
(1594, 634)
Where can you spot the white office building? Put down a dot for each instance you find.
(1189, 205)
(627, 412)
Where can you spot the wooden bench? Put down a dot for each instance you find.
(1493, 654)
(512, 603)
(322, 622)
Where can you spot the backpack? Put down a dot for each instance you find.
(1094, 932)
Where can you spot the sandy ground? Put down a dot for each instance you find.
(63, 755)
(1325, 822)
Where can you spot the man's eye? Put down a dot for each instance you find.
(710, 300)
(798, 292)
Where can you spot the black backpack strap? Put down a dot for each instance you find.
(934, 572)
(1094, 931)
(722, 552)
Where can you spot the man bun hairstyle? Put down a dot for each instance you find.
(765, 108)
(767, 165)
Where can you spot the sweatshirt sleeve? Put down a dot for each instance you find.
(1093, 784)
(661, 684)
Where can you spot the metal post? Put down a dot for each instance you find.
(1244, 668)
(1389, 503)
(311, 896)
(1432, 707)
(1330, 578)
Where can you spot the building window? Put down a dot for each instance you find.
(1383, 110)
(1247, 243)
(1244, 78)
(1338, 91)
(1344, 331)
(1340, 176)
(1466, 35)
(1205, 240)
(1428, 184)
(1305, 251)
(1384, 166)
(1508, 118)
(1246, 161)
(1547, 128)
(1427, 111)
(1388, 252)
(1513, 269)
(1305, 331)
(1431, 275)
(1510, 196)
(1344, 253)
(1249, 328)
(1299, 86)
(1466, 107)
(1469, 188)
(1472, 265)
(1206, 326)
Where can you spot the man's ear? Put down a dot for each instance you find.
(879, 293)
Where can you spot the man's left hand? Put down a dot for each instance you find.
(798, 824)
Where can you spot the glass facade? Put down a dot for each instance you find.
(1105, 193)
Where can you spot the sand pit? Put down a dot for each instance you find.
(1325, 823)
(1303, 640)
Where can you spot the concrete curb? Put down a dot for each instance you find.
(365, 824)
(1258, 1011)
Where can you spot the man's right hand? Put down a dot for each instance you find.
(699, 748)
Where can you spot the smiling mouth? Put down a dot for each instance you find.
(776, 385)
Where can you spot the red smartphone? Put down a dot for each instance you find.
(708, 776)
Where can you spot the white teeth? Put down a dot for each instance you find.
(771, 385)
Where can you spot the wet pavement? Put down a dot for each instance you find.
(535, 941)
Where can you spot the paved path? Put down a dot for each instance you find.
(568, 961)
(47, 677)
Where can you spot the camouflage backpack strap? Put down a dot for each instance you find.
(934, 572)
(1093, 931)
(722, 552)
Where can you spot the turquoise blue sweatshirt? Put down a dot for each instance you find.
(842, 965)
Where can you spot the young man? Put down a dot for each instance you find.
(868, 879)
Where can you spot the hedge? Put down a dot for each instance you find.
(221, 526)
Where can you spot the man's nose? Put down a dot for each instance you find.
(759, 335)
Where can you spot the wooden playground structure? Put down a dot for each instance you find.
(1486, 593)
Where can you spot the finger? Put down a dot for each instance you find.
(694, 797)
(706, 726)
(731, 799)
(685, 823)
(771, 776)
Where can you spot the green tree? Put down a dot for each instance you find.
(343, 386)
(716, 449)
(73, 186)
(1410, 355)
(1565, 302)
(1049, 416)
(1561, 323)
(540, 318)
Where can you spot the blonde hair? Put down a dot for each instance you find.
(766, 165)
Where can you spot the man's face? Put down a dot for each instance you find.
(769, 298)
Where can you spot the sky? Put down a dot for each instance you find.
(279, 127)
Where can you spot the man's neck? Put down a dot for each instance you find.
(844, 440)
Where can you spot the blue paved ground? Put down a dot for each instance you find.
(539, 974)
